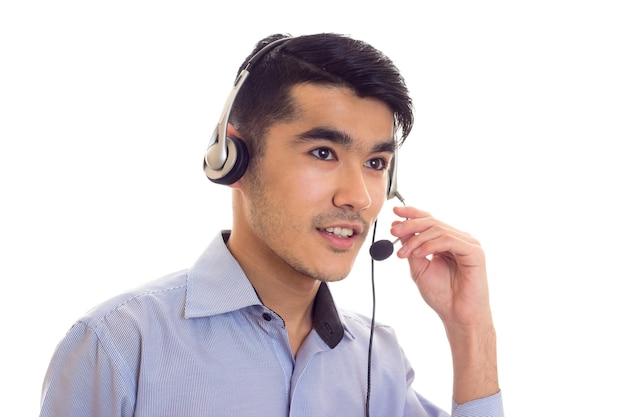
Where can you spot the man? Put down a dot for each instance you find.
(307, 143)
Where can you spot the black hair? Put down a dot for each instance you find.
(325, 59)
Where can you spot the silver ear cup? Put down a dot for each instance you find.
(235, 165)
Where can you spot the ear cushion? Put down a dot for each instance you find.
(236, 163)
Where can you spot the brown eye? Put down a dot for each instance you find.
(378, 164)
(325, 154)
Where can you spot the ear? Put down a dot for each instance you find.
(232, 131)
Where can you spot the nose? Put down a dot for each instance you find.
(352, 192)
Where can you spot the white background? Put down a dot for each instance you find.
(106, 108)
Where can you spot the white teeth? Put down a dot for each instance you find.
(340, 231)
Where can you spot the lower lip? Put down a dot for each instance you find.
(341, 243)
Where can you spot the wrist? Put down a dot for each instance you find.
(474, 361)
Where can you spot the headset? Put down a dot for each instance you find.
(226, 158)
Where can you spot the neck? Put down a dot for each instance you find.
(284, 290)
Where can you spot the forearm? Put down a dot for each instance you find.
(474, 362)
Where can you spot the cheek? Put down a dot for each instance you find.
(378, 195)
(305, 185)
(377, 188)
(377, 204)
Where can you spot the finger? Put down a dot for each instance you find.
(410, 212)
(417, 220)
(427, 228)
(467, 253)
(438, 239)
(411, 243)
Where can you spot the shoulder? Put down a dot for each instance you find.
(163, 294)
(385, 342)
(360, 319)
(360, 325)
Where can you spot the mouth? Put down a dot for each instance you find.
(341, 238)
(340, 232)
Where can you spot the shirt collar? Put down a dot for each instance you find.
(216, 284)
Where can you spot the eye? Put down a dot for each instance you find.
(325, 154)
(378, 164)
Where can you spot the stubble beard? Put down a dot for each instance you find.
(266, 218)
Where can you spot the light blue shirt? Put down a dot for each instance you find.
(201, 343)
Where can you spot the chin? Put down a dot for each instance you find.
(322, 263)
(335, 271)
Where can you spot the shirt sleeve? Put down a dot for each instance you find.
(84, 379)
(491, 406)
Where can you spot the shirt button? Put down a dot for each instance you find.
(267, 317)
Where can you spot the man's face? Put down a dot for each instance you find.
(321, 181)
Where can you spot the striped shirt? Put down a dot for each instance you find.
(200, 343)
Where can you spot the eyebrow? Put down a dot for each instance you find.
(342, 138)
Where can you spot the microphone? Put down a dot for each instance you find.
(382, 249)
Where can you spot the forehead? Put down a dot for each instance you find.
(339, 109)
